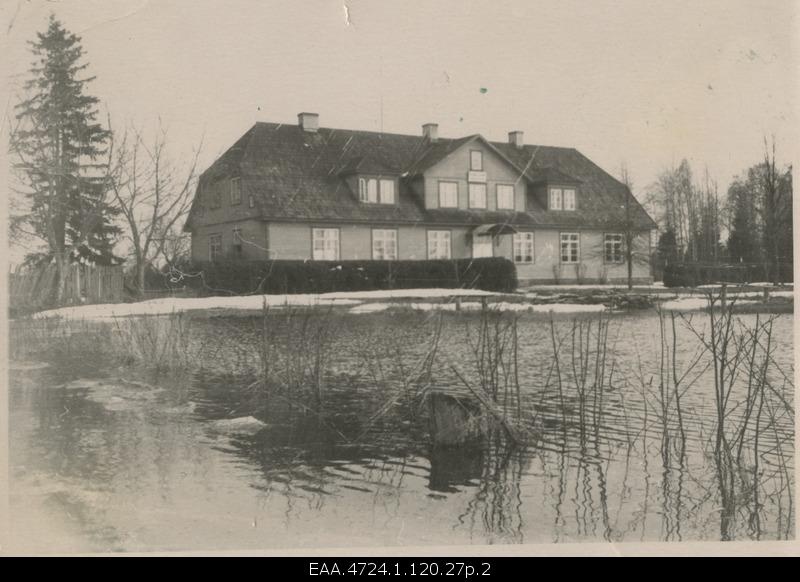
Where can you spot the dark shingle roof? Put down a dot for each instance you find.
(298, 175)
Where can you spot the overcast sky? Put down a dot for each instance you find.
(645, 83)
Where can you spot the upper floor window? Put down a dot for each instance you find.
(569, 199)
(439, 244)
(214, 246)
(505, 197)
(448, 194)
(523, 247)
(251, 201)
(325, 244)
(613, 246)
(555, 199)
(373, 190)
(477, 195)
(476, 160)
(570, 247)
(236, 192)
(384, 244)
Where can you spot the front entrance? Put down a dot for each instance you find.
(482, 246)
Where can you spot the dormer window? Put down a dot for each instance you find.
(476, 160)
(562, 199)
(236, 192)
(374, 190)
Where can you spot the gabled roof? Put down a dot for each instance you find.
(298, 175)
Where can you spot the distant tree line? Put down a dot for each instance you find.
(751, 225)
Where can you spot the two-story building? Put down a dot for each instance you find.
(307, 192)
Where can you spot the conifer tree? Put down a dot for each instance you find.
(58, 147)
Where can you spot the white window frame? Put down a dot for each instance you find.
(214, 246)
(569, 198)
(384, 244)
(474, 190)
(372, 190)
(556, 197)
(509, 190)
(614, 242)
(387, 188)
(440, 244)
(523, 248)
(236, 192)
(328, 250)
(572, 240)
(362, 189)
(473, 156)
(251, 201)
(443, 194)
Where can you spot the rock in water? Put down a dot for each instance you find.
(242, 425)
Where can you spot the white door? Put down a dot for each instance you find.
(482, 246)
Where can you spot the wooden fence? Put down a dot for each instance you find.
(31, 289)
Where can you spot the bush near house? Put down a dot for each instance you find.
(694, 274)
(283, 276)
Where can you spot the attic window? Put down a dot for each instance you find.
(562, 199)
(569, 199)
(476, 160)
(236, 192)
(374, 190)
(555, 199)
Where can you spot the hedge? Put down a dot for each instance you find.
(284, 276)
(693, 275)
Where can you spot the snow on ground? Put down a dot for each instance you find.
(475, 306)
(694, 302)
(251, 302)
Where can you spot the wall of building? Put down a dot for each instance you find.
(293, 241)
(254, 239)
(456, 166)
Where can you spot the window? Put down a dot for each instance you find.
(523, 247)
(477, 195)
(362, 189)
(325, 244)
(438, 244)
(372, 190)
(476, 160)
(569, 199)
(555, 199)
(448, 194)
(236, 192)
(251, 201)
(570, 247)
(614, 247)
(387, 191)
(214, 246)
(505, 197)
(384, 244)
(237, 240)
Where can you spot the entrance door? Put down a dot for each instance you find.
(482, 246)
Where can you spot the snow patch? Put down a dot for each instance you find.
(243, 425)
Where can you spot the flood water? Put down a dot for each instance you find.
(110, 455)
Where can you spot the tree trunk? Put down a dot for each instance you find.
(140, 276)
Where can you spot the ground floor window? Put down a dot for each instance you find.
(214, 246)
(384, 244)
(439, 244)
(325, 244)
(523, 247)
(570, 247)
(614, 246)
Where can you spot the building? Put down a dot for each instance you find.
(307, 192)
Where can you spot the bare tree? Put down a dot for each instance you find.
(630, 231)
(153, 194)
(775, 209)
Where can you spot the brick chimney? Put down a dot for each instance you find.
(515, 138)
(308, 121)
(431, 131)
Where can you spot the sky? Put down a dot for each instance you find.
(630, 82)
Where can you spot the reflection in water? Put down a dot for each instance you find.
(133, 460)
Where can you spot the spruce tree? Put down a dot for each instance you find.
(58, 148)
